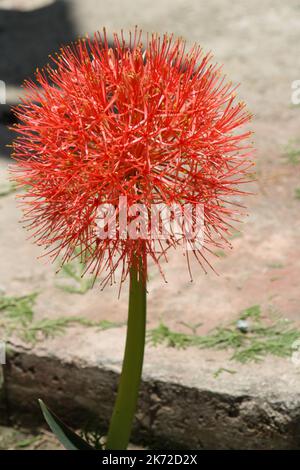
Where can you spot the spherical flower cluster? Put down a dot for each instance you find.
(153, 123)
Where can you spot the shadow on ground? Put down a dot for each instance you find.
(28, 37)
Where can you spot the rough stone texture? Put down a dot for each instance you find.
(182, 404)
(3, 402)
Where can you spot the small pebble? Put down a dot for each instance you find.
(243, 326)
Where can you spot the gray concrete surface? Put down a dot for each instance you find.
(182, 403)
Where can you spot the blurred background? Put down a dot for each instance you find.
(258, 283)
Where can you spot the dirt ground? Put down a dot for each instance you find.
(258, 42)
(16, 439)
(259, 46)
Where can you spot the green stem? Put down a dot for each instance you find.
(127, 397)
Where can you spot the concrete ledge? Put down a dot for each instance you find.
(182, 404)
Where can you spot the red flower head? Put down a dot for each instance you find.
(155, 124)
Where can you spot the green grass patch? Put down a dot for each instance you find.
(253, 312)
(72, 280)
(223, 369)
(220, 254)
(291, 153)
(7, 188)
(297, 193)
(275, 265)
(265, 336)
(235, 234)
(17, 318)
(27, 442)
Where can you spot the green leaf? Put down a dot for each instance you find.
(68, 438)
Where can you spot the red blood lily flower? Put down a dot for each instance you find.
(156, 124)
